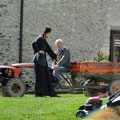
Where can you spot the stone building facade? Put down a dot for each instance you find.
(83, 25)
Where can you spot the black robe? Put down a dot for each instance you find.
(43, 85)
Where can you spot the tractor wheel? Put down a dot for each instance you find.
(80, 114)
(90, 92)
(15, 87)
(114, 86)
(87, 93)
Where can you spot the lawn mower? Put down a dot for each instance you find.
(96, 103)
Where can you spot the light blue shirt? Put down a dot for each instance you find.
(61, 49)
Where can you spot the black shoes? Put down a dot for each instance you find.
(55, 96)
(39, 96)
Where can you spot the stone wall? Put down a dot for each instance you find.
(83, 25)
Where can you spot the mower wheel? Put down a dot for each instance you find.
(80, 114)
(15, 87)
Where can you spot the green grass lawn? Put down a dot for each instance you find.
(41, 108)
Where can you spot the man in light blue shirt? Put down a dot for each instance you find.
(63, 62)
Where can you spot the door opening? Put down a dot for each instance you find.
(115, 46)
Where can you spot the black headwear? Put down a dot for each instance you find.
(47, 30)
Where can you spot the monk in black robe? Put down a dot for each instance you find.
(43, 85)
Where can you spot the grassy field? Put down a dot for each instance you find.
(43, 108)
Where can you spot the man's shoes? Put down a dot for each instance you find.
(39, 96)
(56, 96)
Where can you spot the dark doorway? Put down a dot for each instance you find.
(115, 46)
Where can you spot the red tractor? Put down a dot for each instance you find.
(10, 80)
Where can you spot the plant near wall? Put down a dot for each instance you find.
(102, 56)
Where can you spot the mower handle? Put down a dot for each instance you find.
(113, 95)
